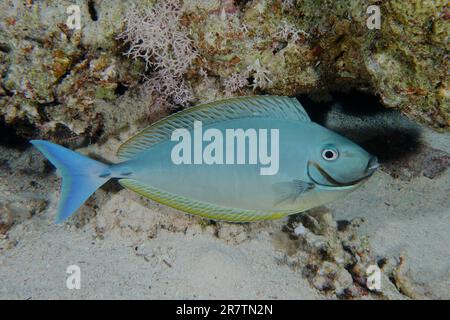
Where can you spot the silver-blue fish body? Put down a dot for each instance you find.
(313, 164)
(233, 185)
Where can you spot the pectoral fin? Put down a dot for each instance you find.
(290, 191)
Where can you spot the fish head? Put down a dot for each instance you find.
(335, 161)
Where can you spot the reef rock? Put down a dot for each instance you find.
(71, 85)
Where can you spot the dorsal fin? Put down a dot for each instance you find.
(276, 107)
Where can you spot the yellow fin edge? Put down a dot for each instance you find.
(203, 209)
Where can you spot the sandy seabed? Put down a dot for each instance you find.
(130, 247)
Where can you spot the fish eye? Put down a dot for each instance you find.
(330, 154)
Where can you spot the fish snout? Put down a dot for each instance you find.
(372, 165)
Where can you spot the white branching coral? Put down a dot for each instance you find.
(168, 86)
(287, 4)
(234, 83)
(261, 76)
(288, 32)
(244, 28)
(155, 35)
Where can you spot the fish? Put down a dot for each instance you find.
(241, 159)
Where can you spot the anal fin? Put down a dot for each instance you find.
(207, 210)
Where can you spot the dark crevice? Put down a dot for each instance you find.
(280, 46)
(241, 3)
(72, 65)
(8, 92)
(92, 10)
(339, 39)
(383, 132)
(48, 104)
(250, 80)
(382, 262)
(317, 111)
(389, 144)
(41, 109)
(340, 54)
(112, 186)
(64, 136)
(35, 39)
(15, 135)
(121, 89)
(5, 48)
(360, 103)
(342, 225)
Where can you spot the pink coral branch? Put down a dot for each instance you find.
(156, 36)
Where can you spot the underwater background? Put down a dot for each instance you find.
(90, 74)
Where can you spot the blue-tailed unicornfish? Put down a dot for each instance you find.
(187, 161)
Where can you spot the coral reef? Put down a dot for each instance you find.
(306, 46)
(333, 258)
(71, 84)
(62, 83)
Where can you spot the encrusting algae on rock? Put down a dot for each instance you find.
(56, 81)
(334, 259)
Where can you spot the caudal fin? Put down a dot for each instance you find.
(81, 176)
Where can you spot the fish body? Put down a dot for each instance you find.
(302, 172)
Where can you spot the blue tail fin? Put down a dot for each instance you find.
(81, 176)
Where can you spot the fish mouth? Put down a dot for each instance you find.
(331, 180)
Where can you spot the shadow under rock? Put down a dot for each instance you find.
(361, 117)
